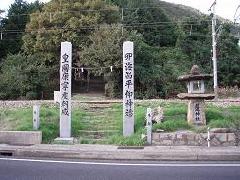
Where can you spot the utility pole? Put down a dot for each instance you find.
(236, 16)
(236, 19)
(214, 53)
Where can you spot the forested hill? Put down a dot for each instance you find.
(178, 11)
(168, 40)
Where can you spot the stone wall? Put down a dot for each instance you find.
(194, 139)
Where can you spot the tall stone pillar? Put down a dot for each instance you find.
(128, 89)
(65, 89)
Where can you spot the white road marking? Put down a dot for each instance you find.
(126, 164)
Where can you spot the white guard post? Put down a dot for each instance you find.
(208, 138)
(128, 89)
(65, 89)
(57, 97)
(149, 125)
(36, 117)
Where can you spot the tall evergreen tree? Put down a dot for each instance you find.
(13, 26)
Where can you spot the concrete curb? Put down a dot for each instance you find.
(108, 152)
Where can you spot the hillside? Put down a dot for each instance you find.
(177, 11)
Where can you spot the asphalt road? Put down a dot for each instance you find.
(26, 169)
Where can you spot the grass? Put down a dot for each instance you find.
(172, 125)
(174, 119)
(21, 120)
(221, 117)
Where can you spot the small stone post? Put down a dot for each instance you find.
(149, 125)
(36, 117)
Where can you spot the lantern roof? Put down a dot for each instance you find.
(195, 75)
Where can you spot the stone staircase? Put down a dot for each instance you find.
(99, 124)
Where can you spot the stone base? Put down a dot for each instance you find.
(21, 137)
(188, 138)
(196, 112)
(60, 140)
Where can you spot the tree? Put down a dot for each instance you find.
(195, 41)
(14, 25)
(148, 18)
(65, 21)
(156, 69)
(228, 58)
(23, 75)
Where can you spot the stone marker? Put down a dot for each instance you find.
(36, 117)
(149, 125)
(57, 98)
(128, 89)
(157, 115)
(65, 89)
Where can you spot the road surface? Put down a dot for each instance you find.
(33, 169)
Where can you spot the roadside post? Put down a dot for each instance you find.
(36, 117)
(149, 125)
(208, 138)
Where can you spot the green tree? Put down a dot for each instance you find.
(228, 58)
(63, 20)
(148, 18)
(156, 69)
(195, 41)
(23, 75)
(13, 26)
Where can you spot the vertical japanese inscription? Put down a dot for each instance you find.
(65, 89)
(197, 112)
(128, 88)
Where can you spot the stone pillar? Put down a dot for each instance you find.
(65, 89)
(36, 117)
(57, 97)
(128, 89)
(196, 112)
(149, 125)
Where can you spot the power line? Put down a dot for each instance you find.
(145, 25)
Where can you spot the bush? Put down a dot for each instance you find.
(172, 125)
(31, 95)
(24, 76)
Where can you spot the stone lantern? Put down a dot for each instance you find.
(196, 95)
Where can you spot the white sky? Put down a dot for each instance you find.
(224, 8)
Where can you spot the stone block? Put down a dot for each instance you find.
(221, 130)
(222, 137)
(167, 136)
(201, 139)
(191, 136)
(167, 142)
(155, 137)
(21, 137)
(192, 143)
(231, 137)
(180, 142)
(215, 142)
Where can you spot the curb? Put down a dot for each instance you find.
(145, 154)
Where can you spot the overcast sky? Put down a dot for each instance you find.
(224, 8)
